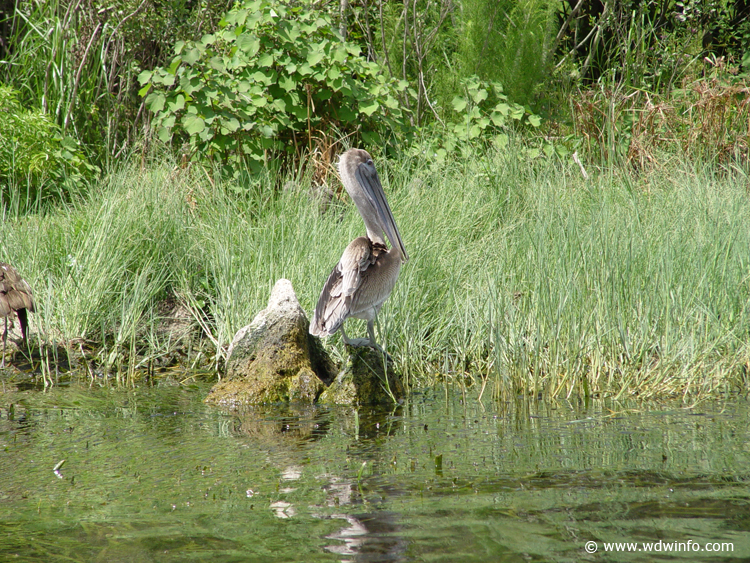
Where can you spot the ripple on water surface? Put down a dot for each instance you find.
(154, 475)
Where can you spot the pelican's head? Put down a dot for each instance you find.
(362, 183)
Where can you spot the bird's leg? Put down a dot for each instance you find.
(373, 344)
(5, 338)
(371, 334)
(356, 342)
(23, 319)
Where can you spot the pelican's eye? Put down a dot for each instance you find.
(370, 162)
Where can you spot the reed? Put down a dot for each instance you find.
(523, 277)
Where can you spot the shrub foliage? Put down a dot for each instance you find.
(272, 78)
(35, 156)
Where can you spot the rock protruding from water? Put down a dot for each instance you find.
(274, 358)
(367, 378)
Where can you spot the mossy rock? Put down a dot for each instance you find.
(368, 378)
(275, 359)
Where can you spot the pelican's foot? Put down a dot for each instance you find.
(361, 343)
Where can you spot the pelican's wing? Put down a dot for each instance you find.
(334, 304)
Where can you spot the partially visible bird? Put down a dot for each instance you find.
(15, 295)
(367, 272)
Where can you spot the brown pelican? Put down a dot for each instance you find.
(15, 295)
(364, 277)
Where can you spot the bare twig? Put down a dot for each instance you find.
(564, 27)
(580, 165)
(78, 75)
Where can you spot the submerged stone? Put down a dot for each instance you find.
(274, 358)
(367, 378)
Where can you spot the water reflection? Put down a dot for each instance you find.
(156, 475)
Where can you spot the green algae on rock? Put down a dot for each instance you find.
(275, 359)
(367, 378)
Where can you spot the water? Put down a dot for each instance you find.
(154, 475)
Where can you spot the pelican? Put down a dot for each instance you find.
(15, 295)
(364, 277)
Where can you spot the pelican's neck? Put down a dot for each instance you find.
(374, 232)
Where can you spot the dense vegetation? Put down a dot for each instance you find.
(570, 178)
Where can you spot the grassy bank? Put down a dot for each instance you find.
(523, 277)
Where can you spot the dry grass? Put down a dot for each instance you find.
(707, 119)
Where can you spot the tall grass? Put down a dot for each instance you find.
(523, 277)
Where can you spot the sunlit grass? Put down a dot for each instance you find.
(523, 276)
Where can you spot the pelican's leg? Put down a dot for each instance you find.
(5, 338)
(356, 342)
(375, 345)
(371, 334)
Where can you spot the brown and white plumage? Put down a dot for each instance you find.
(367, 272)
(15, 296)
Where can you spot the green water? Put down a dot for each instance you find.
(154, 475)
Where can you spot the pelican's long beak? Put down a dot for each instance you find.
(368, 178)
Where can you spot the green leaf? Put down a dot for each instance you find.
(155, 101)
(143, 91)
(287, 83)
(323, 94)
(517, 112)
(503, 108)
(265, 60)
(369, 107)
(248, 44)
(339, 55)
(262, 76)
(164, 134)
(217, 63)
(498, 119)
(479, 96)
(192, 124)
(346, 114)
(231, 124)
(314, 58)
(259, 101)
(191, 56)
(289, 31)
(177, 103)
(459, 104)
(144, 77)
(501, 141)
(535, 120)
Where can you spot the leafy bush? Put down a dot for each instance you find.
(78, 60)
(481, 113)
(272, 79)
(35, 155)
